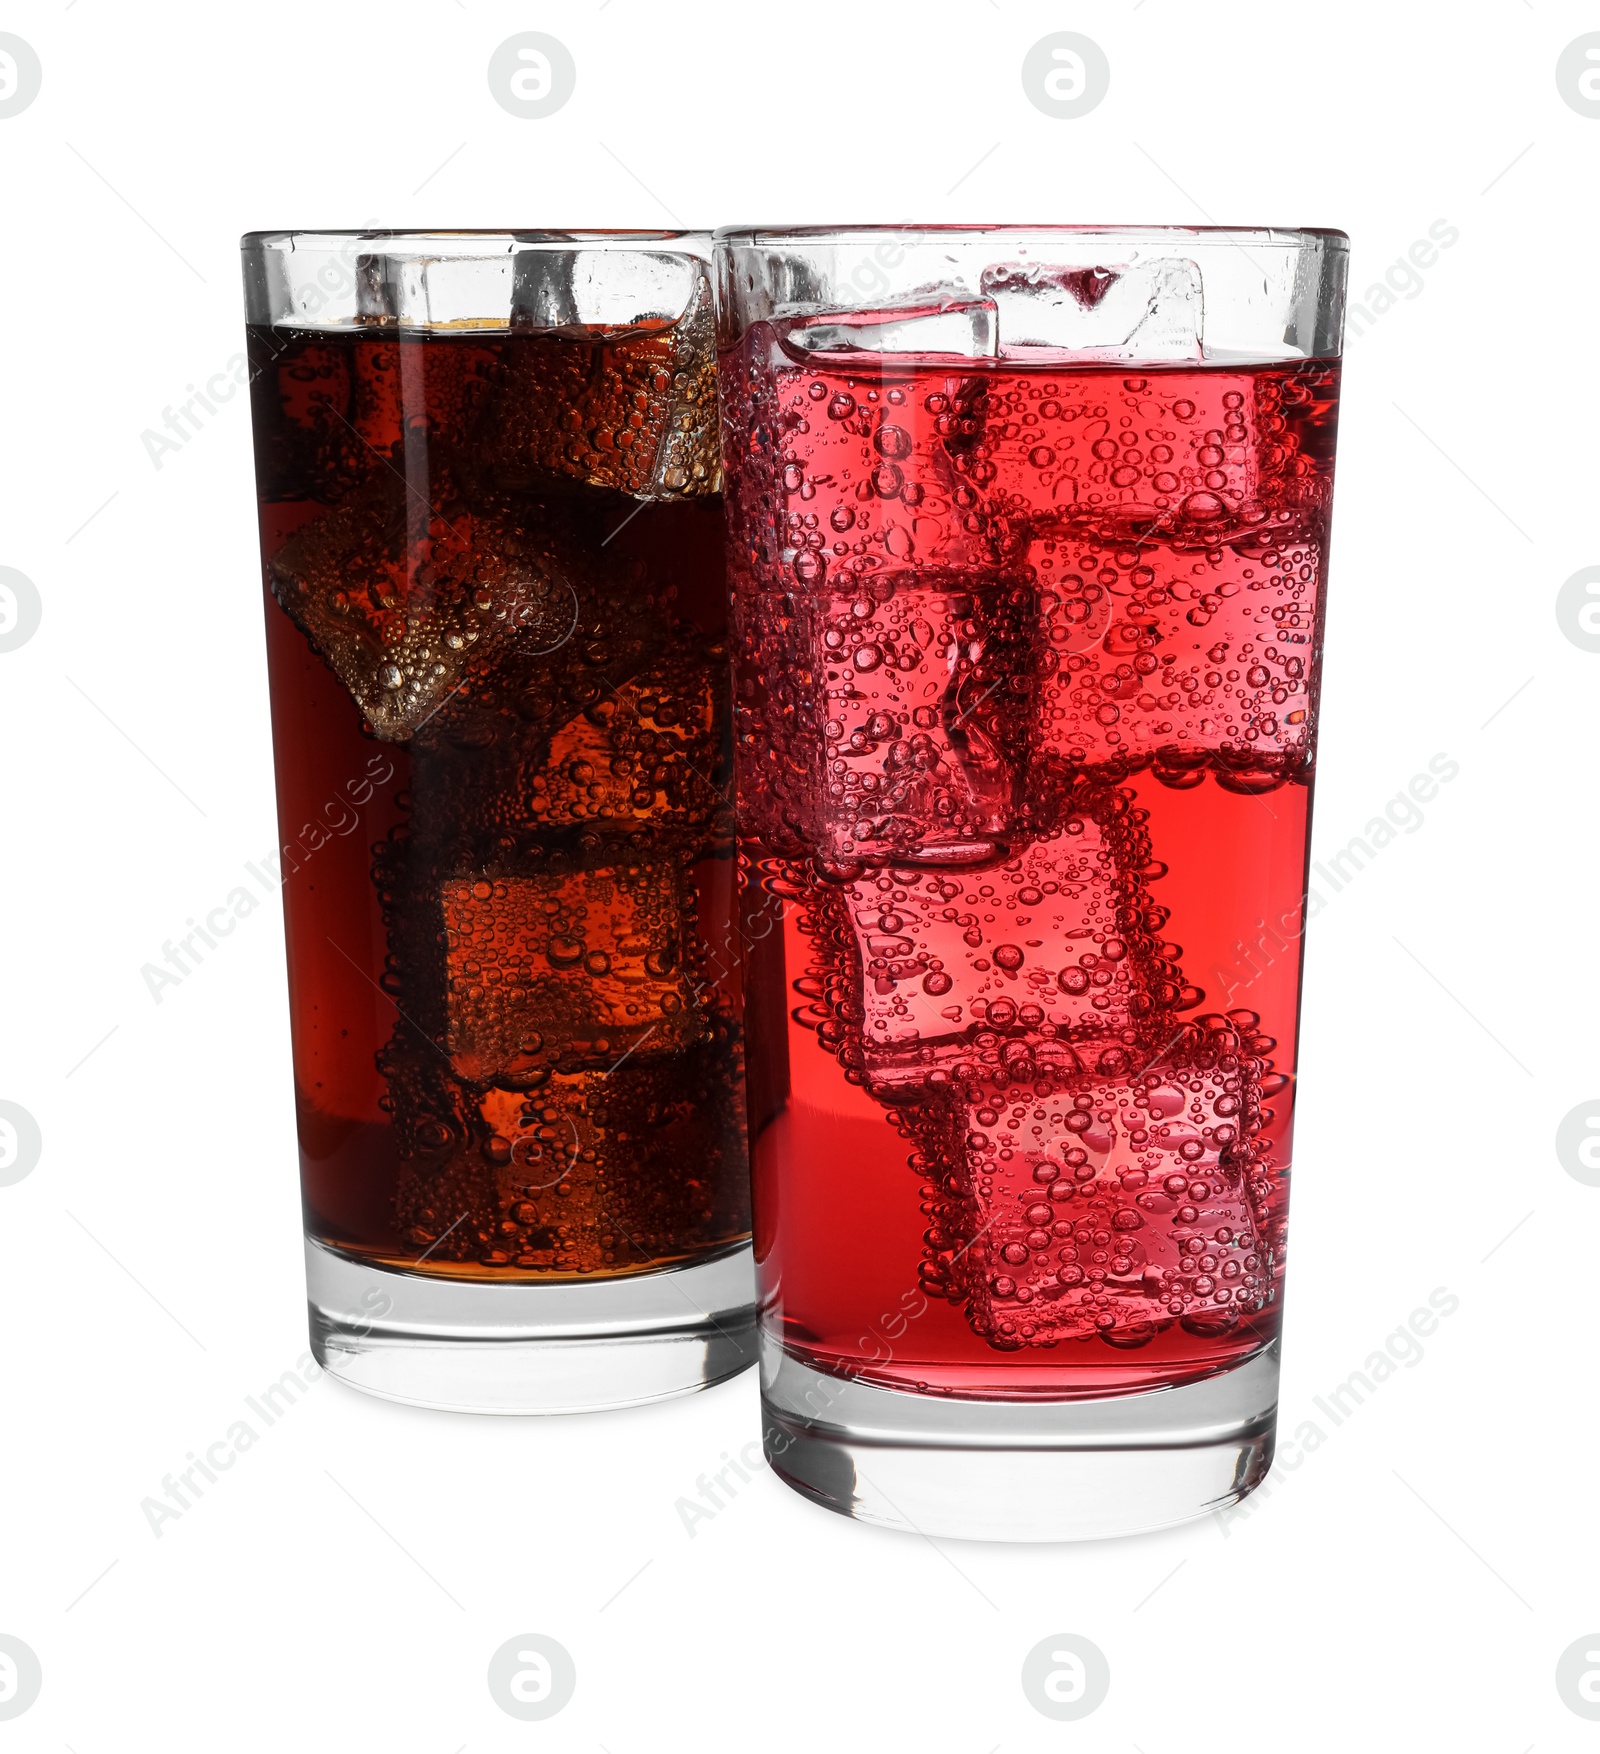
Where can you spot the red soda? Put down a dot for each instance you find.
(1027, 662)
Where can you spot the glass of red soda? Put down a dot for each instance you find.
(1028, 533)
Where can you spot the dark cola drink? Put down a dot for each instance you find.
(495, 614)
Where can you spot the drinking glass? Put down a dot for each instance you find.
(1027, 536)
(488, 488)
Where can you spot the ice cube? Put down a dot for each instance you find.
(1108, 1207)
(1047, 959)
(673, 1173)
(579, 969)
(545, 298)
(1178, 561)
(887, 482)
(512, 1179)
(508, 710)
(927, 679)
(624, 403)
(1177, 661)
(954, 326)
(593, 1172)
(1149, 311)
(647, 751)
(585, 291)
(407, 603)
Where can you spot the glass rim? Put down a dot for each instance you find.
(445, 241)
(459, 280)
(1256, 237)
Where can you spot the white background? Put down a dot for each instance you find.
(1420, 1572)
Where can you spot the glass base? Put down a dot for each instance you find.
(469, 1347)
(1019, 1470)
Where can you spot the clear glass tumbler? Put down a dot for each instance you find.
(1027, 535)
(489, 501)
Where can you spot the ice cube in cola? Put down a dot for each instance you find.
(633, 409)
(649, 749)
(589, 961)
(406, 603)
(594, 1173)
